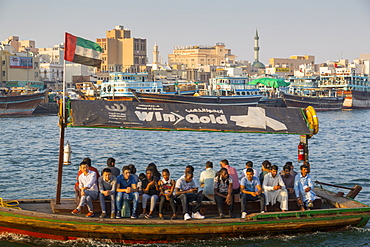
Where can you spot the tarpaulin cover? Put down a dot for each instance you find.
(165, 116)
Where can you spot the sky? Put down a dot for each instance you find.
(326, 29)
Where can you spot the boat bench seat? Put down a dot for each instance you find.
(211, 208)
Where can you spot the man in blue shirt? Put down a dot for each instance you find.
(303, 188)
(251, 190)
(126, 190)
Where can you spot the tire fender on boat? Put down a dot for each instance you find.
(313, 121)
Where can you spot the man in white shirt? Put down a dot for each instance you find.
(274, 189)
(88, 188)
(206, 179)
(187, 191)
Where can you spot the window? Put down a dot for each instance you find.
(3, 73)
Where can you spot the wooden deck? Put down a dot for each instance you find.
(37, 220)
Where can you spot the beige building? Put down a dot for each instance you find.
(121, 52)
(188, 57)
(291, 63)
(20, 66)
(20, 45)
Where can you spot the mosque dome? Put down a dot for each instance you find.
(258, 64)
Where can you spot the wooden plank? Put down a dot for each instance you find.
(337, 201)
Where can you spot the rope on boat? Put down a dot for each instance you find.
(9, 204)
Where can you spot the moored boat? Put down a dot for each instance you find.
(325, 103)
(121, 85)
(355, 88)
(20, 104)
(246, 100)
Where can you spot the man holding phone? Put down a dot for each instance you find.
(187, 191)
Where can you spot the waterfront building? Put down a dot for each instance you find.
(121, 52)
(51, 66)
(292, 63)
(18, 66)
(20, 45)
(188, 57)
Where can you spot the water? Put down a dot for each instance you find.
(338, 154)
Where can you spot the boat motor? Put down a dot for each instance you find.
(67, 154)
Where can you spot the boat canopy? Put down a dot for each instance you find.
(189, 117)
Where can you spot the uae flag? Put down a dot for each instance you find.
(82, 51)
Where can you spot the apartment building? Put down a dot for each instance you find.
(291, 63)
(188, 57)
(121, 52)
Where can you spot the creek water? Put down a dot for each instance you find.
(29, 157)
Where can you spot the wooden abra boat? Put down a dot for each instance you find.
(20, 104)
(246, 100)
(37, 220)
(46, 218)
(319, 103)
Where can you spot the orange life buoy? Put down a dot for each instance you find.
(218, 87)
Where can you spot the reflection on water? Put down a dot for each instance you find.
(29, 156)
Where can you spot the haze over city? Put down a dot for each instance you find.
(328, 30)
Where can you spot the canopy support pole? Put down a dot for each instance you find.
(62, 125)
(60, 161)
(304, 140)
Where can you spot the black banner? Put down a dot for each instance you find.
(165, 116)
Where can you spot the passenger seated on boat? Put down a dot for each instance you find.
(126, 190)
(133, 172)
(288, 181)
(249, 164)
(190, 168)
(111, 165)
(150, 191)
(274, 189)
(206, 180)
(303, 186)
(223, 190)
(251, 190)
(266, 168)
(156, 173)
(292, 171)
(142, 177)
(107, 187)
(187, 191)
(166, 189)
(77, 188)
(233, 174)
(88, 189)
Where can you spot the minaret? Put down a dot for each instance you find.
(155, 54)
(256, 47)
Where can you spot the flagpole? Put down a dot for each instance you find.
(62, 125)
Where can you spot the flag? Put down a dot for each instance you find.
(82, 51)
